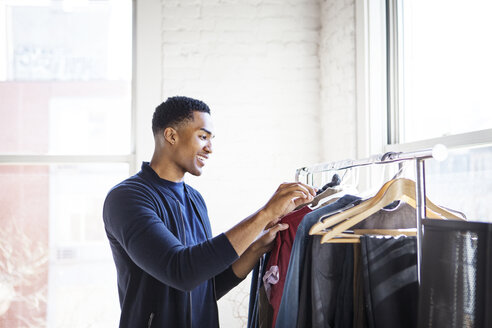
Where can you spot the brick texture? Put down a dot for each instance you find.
(279, 78)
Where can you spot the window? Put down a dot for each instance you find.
(65, 139)
(439, 74)
(446, 68)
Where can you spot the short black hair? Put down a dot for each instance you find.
(175, 110)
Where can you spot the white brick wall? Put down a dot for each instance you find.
(275, 108)
(338, 96)
(256, 64)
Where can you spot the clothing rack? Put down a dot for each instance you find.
(438, 152)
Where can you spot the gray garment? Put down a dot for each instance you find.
(398, 215)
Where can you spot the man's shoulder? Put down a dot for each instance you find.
(133, 183)
(133, 188)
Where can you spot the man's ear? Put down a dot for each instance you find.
(171, 135)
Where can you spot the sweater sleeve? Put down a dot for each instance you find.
(131, 219)
(225, 281)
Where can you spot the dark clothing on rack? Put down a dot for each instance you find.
(326, 289)
(333, 270)
(390, 281)
(335, 181)
(165, 256)
(327, 285)
(456, 289)
(256, 315)
(265, 310)
(289, 306)
(253, 296)
(360, 318)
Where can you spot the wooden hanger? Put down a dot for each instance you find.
(407, 195)
(354, 238)
(398, 189)
(334, 219)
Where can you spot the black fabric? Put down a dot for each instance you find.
(335, 181)
(360, 318)
(390, 281)
(344, 312)
(265, 310)
(253, 297)
(456, 289)
(326, 289)
(254, 294)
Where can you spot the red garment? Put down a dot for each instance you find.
(279, 258)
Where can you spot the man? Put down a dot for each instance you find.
(170, 270)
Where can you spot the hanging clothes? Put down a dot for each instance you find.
(390, 281)
(287, 313)
(326, 287)
(360, 317)
(255, 314)
(278, 263)
(326, 276)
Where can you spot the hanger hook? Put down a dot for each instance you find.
(400, 170)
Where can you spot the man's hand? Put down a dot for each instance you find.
(264, 243)
(260, 246)
(287, 197)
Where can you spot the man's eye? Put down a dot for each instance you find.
(204, 137)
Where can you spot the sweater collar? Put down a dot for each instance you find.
(149, 173)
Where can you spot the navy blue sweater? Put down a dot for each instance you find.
(157, 262)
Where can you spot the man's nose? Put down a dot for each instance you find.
(208, 147)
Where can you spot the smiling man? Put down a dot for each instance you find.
(171, 271)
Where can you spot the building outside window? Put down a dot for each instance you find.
(65, 90)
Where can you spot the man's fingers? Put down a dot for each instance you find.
(272, 224)
(282, 226)
(286, 187)
(296, 198)
(278, 227)
(284, 199)
(300, 201)
(297, 190)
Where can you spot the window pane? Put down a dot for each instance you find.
(55, 261)
(463, 182)
(446, 67)
(65, 72)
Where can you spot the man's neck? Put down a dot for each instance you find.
(166, 169)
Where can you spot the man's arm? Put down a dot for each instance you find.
(287, 197)
(134, 224)
(248, 260)
(233, 275)
(136, 232)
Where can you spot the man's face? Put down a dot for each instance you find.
(194, 144)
